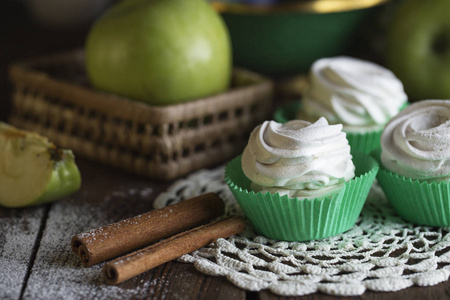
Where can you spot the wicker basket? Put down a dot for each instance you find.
(52, 96)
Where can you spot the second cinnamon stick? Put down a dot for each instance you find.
(128, 266)
(116, 239)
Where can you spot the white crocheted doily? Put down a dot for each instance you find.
(380, 253)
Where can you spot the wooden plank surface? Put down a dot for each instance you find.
(19, 233)
(35, 248)
(108, 195)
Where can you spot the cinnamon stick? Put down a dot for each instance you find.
(128, 266)
(116, 239)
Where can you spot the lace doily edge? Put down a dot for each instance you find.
(293, 288)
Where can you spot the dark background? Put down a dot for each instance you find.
(21, 38)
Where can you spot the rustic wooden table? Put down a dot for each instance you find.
(36, 261)
(35, 257)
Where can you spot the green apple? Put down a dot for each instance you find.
(418, 48)
(160, 51)
(33, 170)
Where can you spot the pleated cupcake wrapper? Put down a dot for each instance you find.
(359, 142)
(364, 142)
(283, 218)
(287, 112)
(418, 202)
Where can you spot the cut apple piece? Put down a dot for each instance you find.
(33, 170)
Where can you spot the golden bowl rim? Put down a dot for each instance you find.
(311, 6)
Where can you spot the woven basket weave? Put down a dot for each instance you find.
(52, 96)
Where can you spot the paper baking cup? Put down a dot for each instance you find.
(290, 219)
(416, 201)
(363, 142)
(287, 112)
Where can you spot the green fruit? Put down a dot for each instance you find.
(33, 170)
(418, 48)
(160, 51)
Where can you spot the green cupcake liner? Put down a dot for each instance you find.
(359, 142)
(416, 201)
(290, 219)
(364, 142)
(287, 112)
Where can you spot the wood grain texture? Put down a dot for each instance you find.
(107, 195)
(19, 232)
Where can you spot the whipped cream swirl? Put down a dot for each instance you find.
(352, 92)
(298, 158)
(416, 143)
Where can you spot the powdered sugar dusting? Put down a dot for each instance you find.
(18, 232)
(57, 273)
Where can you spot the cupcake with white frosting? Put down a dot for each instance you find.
(297, 181)
(360, 95)
(415, 158)
(298, 159)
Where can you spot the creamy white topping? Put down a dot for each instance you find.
(298, 158)
(416, 142)
(352, 92)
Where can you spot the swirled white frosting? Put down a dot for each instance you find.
(298, 158)
(359, 94)
(416, 142)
